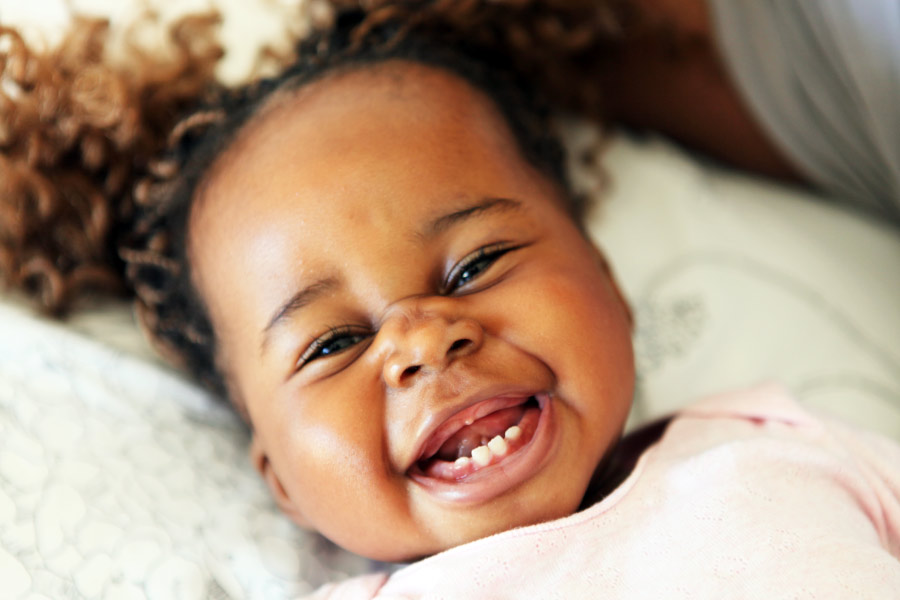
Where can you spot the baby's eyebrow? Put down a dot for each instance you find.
(446, 221)
(302, 298)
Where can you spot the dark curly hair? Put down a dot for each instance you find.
(507, 49)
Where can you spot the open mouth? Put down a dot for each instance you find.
(480, 442)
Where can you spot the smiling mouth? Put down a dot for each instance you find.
(481, 443)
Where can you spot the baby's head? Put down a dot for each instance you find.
(388, 276)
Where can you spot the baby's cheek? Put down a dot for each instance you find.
(593, 350)
(579, 301)
(330, 454)
(317, 467)
(327, 435)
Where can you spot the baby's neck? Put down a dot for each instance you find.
(618, 464)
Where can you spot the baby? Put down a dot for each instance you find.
(376, 257)
(428, 348)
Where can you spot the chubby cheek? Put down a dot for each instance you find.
(593, 360)
(578, 325)
(327, 453)
(595, 345)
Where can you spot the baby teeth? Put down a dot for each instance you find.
(481, 455)
(498, 446)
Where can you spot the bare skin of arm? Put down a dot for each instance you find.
(670, 77)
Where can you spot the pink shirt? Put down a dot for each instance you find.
(746, 495)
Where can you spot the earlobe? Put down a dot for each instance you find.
(264, 467)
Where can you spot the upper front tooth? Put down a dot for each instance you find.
(498, 446)
(513, 433)
(481, 455)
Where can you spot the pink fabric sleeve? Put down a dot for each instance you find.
(878, 459)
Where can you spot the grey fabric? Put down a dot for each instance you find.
(823, 78)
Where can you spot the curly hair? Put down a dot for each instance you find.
(76, 220)
(75, 131)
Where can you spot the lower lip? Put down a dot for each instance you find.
(496, 479)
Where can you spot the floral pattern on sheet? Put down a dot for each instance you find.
(667, 330)
(118, 480)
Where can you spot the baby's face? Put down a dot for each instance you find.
(427, 348)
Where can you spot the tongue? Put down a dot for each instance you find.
(480, 432)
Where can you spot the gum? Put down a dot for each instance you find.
(451, 471)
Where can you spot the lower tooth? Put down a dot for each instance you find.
(462, 461)
(513, 433)
(498, 446)
(481, 455)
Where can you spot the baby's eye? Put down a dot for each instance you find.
(335, 341)
(474, 265)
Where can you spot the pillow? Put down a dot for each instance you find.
(734, 280)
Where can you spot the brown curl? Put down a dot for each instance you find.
(76, 129)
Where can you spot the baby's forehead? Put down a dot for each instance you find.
(348, 120)
(396, 91)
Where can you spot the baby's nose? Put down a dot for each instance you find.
(424, 339)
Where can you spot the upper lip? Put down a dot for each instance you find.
(441, 425)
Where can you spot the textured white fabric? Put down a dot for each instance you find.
(120, 480)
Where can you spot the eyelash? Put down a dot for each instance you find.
(319, 348)
(490, 253)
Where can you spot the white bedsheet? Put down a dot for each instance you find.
(121, 480)
(736, 280)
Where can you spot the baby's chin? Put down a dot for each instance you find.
(448, 536)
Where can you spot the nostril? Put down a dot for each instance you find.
(459, 345)
(410, 371)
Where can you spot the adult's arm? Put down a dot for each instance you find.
(823, 80)
(798, 90)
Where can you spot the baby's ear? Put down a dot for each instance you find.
(264, 466)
